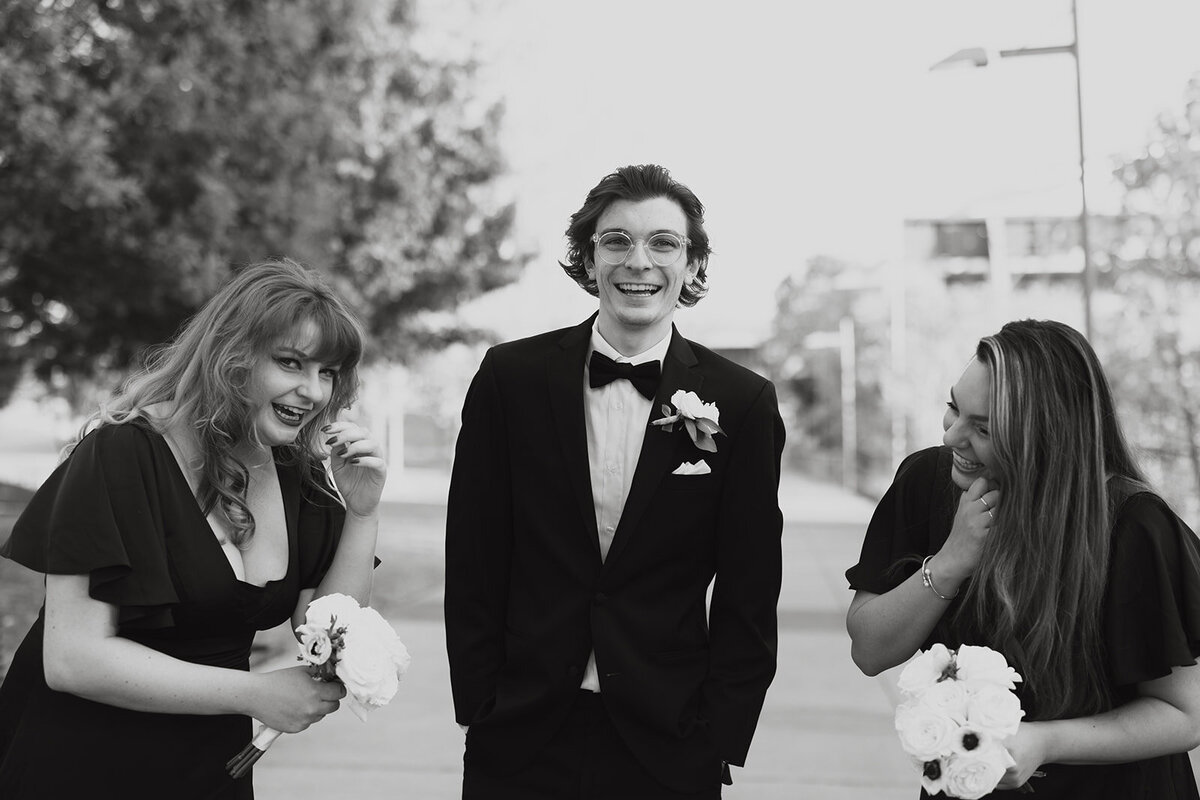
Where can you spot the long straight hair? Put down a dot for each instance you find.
(205, 373)
(1062, 464)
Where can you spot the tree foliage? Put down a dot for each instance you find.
(149, 146)
(1153, 344)
(804, 354)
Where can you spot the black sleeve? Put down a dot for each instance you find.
(478, 546)
(100, 514)
(1152, 609)
(911, 521)
(743, 626)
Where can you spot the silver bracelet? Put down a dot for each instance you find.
(927, 579)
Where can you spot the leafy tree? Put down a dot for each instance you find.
(804, 354)
(1153, 349)
(149, 146)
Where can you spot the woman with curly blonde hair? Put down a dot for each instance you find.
(195, 510)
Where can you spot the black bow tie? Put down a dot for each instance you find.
(644, 377)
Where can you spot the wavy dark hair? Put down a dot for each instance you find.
(205, 373)
(1063, 465)
(635, 183)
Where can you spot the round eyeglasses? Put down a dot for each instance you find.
(663, 249)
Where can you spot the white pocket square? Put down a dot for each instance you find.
(701, 467)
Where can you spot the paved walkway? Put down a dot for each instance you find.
(825, 730)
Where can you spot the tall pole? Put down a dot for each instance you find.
(1086, 278)
(849, 364)
(978, 57)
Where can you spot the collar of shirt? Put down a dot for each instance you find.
(656, 352)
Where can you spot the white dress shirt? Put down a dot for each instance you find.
(616, 416)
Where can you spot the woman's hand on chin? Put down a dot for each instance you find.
(977, 510)
(358, 467)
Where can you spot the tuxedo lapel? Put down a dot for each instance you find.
(658, 447)
(564, 372)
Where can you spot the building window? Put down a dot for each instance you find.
(961, 239)
(1041, 237)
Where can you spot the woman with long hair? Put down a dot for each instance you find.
(1033, 531)
(194, 510)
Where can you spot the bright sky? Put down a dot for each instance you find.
(806, 127)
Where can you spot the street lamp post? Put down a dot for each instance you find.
(843, 341)
(979, 57)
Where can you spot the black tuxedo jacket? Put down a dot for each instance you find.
(528, 597)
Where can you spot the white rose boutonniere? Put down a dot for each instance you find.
(701, 420)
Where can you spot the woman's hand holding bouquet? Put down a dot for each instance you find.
(348, 651)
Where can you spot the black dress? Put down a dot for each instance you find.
(120, 510)
(1151, 611)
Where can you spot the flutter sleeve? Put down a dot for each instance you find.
(1152, 610)
(100, 514)
(907, 523)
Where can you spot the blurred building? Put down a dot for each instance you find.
(962, 276)
(1032, 256)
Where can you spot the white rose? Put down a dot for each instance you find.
(983, 664)
(691, 406)
(371, 662)
(324, 610)
(315, 647)
(378, 626)
(925, 669)
(972, 776)
(924, 733)
(948, 698)
(994, 709)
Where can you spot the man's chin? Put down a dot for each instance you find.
(632, 317)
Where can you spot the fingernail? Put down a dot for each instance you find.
(325, 428)
(353, 461)
(330, 442)
(341, 451)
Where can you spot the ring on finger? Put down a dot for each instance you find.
(985, 502)
(990, 514)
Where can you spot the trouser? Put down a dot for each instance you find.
(586, 760)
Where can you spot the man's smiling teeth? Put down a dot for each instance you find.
(638, 288)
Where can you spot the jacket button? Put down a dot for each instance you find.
(601, 598)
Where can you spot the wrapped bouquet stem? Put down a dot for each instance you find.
(341, 641)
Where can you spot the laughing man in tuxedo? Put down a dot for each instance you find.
(604, 476)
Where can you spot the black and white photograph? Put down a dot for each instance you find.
(562, 400)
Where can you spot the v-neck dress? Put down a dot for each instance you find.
(1151, 613)
(120, 510)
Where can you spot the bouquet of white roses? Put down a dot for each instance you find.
(341, 641)
(959, 707)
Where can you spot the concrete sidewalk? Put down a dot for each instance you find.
(826, 730)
